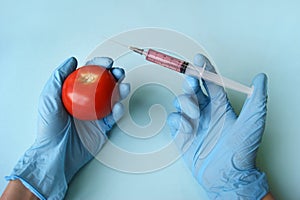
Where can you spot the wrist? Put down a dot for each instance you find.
(269, 196)
(17, 190)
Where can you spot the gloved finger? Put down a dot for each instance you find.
(185, 104)
(118, 73)
(101, 61)
(91, 132)
(213, 90)
(107, 62)
(124, 90)
(181, 130)
(192, 87)
(107, 122)
(179, 124)
(252, 121)
(49, 101)
(118, 108)
(255, 107)
(92, 135)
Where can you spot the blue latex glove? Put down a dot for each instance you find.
(63, 144)
(218, 146)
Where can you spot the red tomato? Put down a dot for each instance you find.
(90, 92)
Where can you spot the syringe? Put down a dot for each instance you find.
(189, 69)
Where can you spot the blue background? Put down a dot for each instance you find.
(243, 37)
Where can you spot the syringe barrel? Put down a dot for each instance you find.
(166, 60)
(200, 72)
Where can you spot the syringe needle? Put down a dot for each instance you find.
(117, 42)
(137, 50)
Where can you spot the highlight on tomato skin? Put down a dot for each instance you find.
(90, 92)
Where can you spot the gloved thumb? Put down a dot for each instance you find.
(255, 106)
(65, 69)
(54, 84)
(51, 118)
(181, 130)
(53, 87)
(49, 100)
(107, 122)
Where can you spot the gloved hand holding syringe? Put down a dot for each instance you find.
(188, 69)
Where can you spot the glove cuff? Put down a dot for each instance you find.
(42, 172)
(27, 185)
(256, 189)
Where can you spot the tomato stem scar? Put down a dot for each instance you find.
(88, 78)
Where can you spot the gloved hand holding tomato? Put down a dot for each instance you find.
(64, 144)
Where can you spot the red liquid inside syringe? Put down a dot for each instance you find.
(186, 68)
(166, 60)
